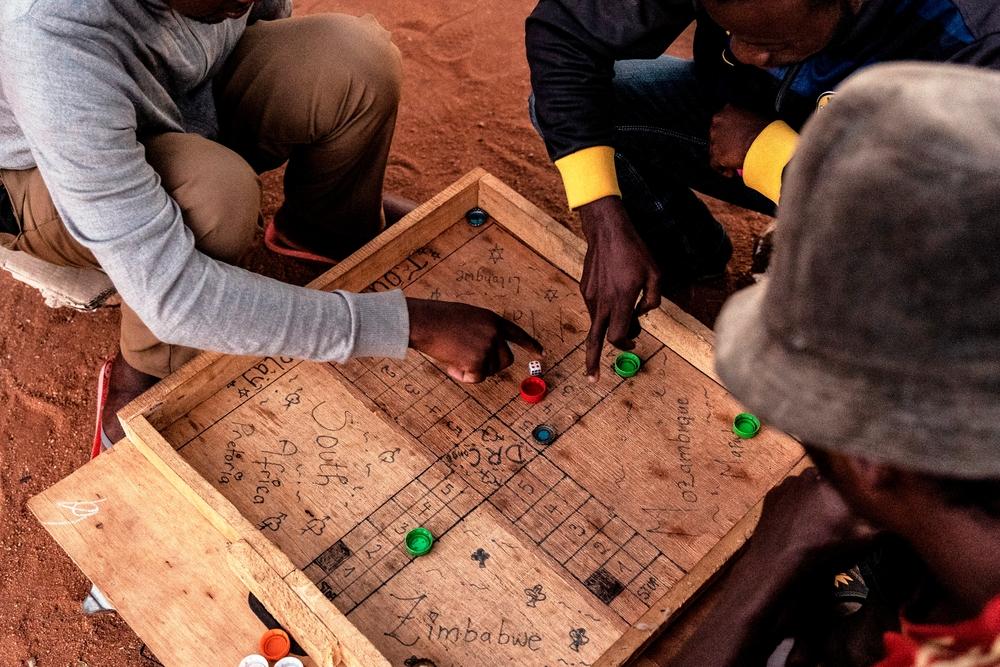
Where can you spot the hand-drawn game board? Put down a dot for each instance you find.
(564, 553)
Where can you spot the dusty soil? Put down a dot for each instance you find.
(464, 106)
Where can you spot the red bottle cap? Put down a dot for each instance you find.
(275, 644)
(533, 389)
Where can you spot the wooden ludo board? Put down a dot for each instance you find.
(574, 553)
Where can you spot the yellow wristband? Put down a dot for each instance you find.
(765, 161)
(589, 175)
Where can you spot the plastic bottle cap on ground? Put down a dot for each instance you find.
(419, 541)
(275, 644)
(533, 389)
(746, 425)
(289, 662)
(627, 364)
(254, 660)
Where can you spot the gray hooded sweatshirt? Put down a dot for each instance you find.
(80, 81)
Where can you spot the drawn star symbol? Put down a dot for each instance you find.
(551, 295)
(496, 254)
(244, 393)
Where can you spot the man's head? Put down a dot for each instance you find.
(901, 500)
(773, 33)
(211, 11)
(876, 337)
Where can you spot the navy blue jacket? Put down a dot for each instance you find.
(572, 46)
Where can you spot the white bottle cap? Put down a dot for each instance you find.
(288, 662)
(254, 660)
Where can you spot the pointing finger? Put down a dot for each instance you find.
(519, 336)
(595, 345)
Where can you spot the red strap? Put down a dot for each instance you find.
(103, 384)
(276, 242)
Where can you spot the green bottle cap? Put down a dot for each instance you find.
(419, 541)
(627, 364)
(746, 425)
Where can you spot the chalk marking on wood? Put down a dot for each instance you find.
(80, 509)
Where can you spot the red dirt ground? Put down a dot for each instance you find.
(464, 105)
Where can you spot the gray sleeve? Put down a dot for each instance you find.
(72, 102)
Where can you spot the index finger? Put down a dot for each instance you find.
(519, 336)
(595, 346)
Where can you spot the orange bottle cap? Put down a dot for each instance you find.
(275, 644)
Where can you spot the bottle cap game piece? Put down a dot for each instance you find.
(627, 364)
(254, 660)
(543, 434)
(535, 368)
(477, 217)
(533, 389)
(275, 644)
(746, 425)
(419, 542)
(290, 661)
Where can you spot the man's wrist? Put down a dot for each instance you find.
(603, 215)
(418, 330)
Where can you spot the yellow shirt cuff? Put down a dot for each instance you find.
(589, 175)
(767, 157)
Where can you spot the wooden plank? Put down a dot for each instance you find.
(213, 506)
(318, 640)
(355, 647)
(159, 561)
(419, 227)
(674, 603)
(679, 330)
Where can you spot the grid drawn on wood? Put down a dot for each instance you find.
(396, 387)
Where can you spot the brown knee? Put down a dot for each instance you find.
(362, 47)
(219, 194)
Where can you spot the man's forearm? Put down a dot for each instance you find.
(739, 630)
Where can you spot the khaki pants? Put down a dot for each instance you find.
(320, 92)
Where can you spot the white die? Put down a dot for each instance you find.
(535, 368)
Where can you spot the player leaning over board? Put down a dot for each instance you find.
(632, 138)
(892, 381)
(131, 136)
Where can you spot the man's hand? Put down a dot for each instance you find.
(775, 586)
(616, 271)
(732, 132)
(805, 520)
(470, 341)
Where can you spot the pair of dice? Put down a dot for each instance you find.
(535, 368)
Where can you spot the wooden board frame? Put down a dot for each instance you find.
(324, 631)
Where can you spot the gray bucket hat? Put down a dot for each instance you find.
(877, 333)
